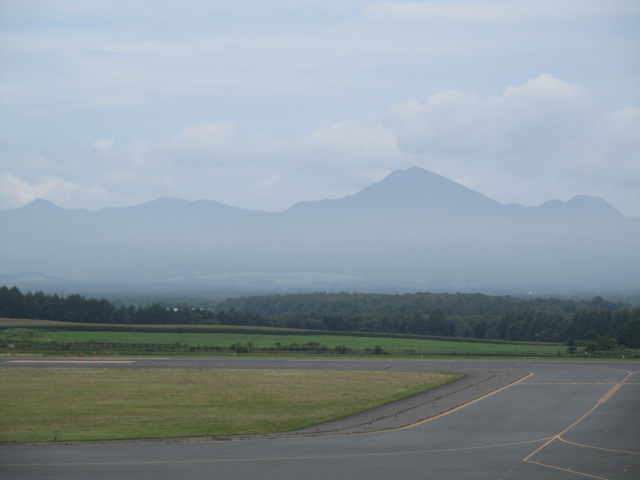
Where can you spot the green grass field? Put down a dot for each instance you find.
(58, 338)
(258, 342)
(104, 403)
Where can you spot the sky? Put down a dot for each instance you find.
(262, 104)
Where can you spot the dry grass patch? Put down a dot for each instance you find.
(40, 404)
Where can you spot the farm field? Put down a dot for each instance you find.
(263, 342)
(65, 338)
(102, 403)
(60, 336)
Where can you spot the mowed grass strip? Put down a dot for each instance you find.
(390, 345)
(43, 404)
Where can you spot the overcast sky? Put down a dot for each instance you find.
(261, 104)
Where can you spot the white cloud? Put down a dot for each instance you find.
(343, 143)
(113, 100)
(202, 146)
(520, 124)
(104, 144)
(360, 144)
(546, 135)
(16, 192)
(542, 139)
(210, 137)
(492, 11)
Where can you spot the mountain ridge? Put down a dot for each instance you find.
(401, 181)
(413, 228)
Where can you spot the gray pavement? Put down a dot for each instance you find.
(564, 421)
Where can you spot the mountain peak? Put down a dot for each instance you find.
(414, 191)
(420, 188)
(413, 228)
(181, 210)
(582, 207)
(40, 204)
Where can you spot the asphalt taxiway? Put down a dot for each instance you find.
(511, 420)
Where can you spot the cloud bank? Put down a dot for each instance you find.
(264, 104)
(543, 139)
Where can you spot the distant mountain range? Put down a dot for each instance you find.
(414, 230)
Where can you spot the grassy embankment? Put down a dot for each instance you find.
(109, 403)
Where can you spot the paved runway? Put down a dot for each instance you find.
(564, 421)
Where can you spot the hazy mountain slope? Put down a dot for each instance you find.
(413, 228)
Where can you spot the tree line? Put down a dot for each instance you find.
(76, 308)
(598, 321)
(458, 315)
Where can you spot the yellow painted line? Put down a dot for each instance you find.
(555, 437)
(72, 361)
(568, 470)
(568, 383)
(378, 432)
(421, 422)
(617, 387)
(606, 397)
(610, 393)
(274, 459)
(598, 448)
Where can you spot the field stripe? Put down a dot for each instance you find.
(71, 361)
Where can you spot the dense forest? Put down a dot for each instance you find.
(449, 315)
